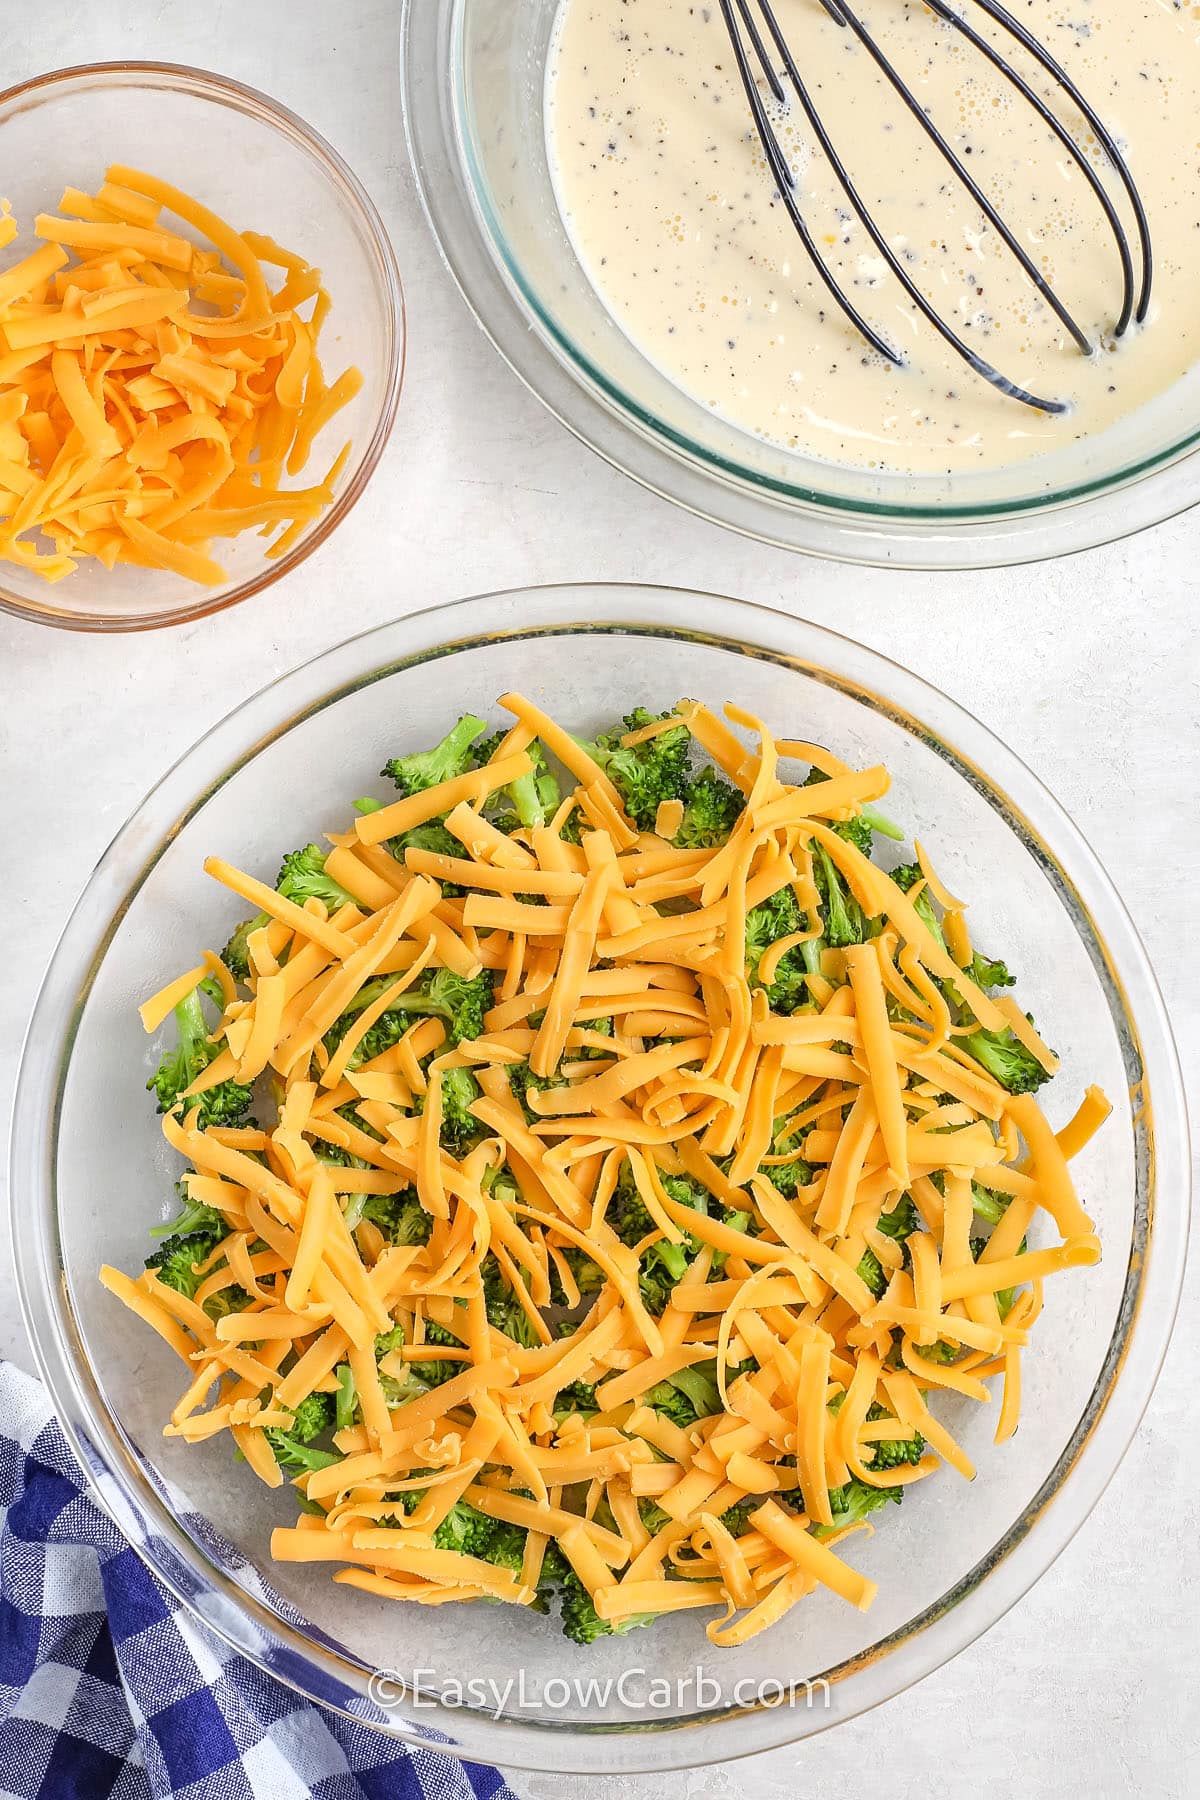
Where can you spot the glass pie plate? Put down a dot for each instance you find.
(90, 1175)
(474, 74)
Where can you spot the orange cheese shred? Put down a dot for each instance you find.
(164, 385)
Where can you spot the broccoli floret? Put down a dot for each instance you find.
(400, 1217)
(589, 1278)
(790, 1176)
(775, 918)
(898, 1224)
(313, 1416)
(195, 1218)
(1006, 1060)
(648, 773)
(504, 1311)
(686, 1192)
(427, 768)
(226, 1300)
(652, 1516)
(302, 877)
(986, 973)
(236, 955)
(655, 1286)
(225, 1104)
(442, 1335)
(462, 1003)
(710, 812)
(506, 1546)
(387, 1341)
(663, 1262)
(417, 1376)
(689, 1395)
(737, 1520)
(485, 749)
(434, 837)
(859, 830)
(175, 1259)
(906, 878)
(465, 1529)
(902, 1221)
(871, 1271)
(855, 1501)
(573, 827)
(856, 831)
(699, 1386)
(460, 1127)
(521, 1078)
(843, 918)
(602, 1028)
(895, 1453)
(431, 836)
(668, 1400)
(535, 797)
(296, 1458)
(580, 1620)
(627, 1213)
(578, 1397)
(291, 1447)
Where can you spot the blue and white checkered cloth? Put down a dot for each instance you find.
(109, 1688)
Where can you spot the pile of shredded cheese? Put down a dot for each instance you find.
(155, 391)
(871, 1083)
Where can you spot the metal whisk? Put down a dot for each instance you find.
(745, 21)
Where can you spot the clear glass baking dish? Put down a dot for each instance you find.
(474, 75)
(90, 1174)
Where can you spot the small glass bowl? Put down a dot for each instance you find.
(90, 1174)
(474, 76)
(260, 167)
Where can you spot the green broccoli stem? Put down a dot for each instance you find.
(191, 1025)
(880, 823)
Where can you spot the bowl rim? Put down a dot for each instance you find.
(1153, 1280)
(600, 415)
(218, 89)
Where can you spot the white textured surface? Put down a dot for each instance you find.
(1090, 668)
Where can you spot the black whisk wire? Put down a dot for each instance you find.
(1079, 156)
(785, 181)
(843, 15)
(1104, 137)
(978, 363)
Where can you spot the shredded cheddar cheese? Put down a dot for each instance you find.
(808, 1175)
(154, 390)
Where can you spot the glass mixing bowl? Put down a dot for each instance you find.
(260, 167)
(90, 1174)
(474, 76)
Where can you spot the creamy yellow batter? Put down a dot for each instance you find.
(665, 191)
